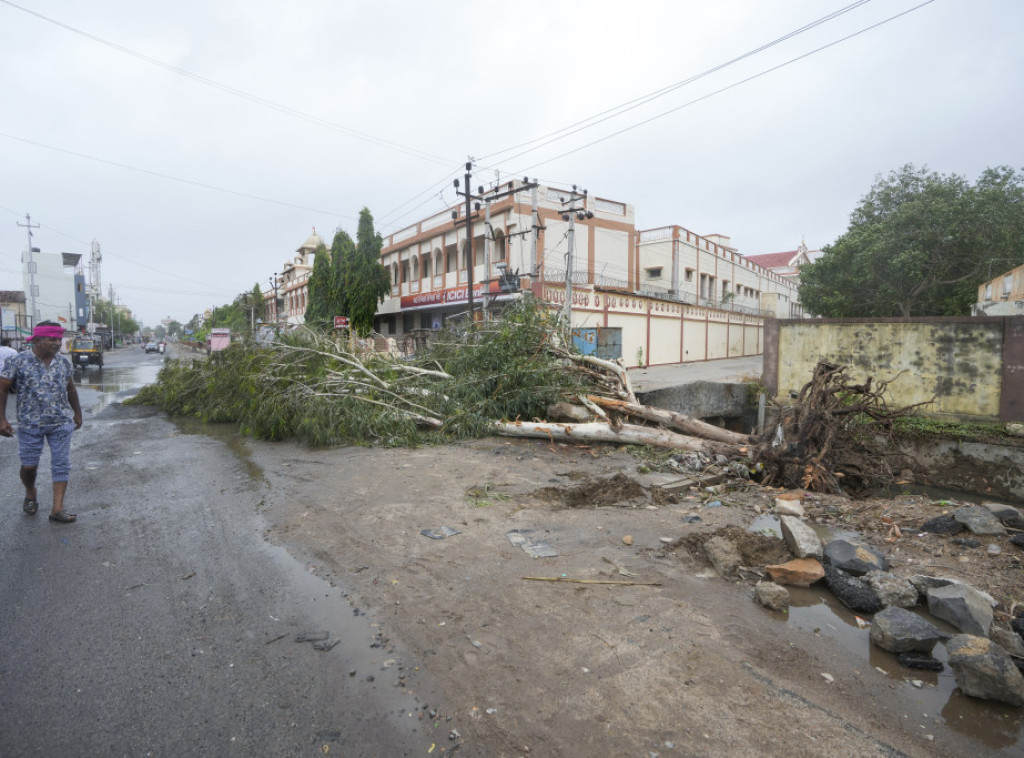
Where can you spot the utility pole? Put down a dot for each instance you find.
(488, 233)
(488, 199)
(470, 197)
(570, 214)
(535, 237)
(277, 313)
(32, 289)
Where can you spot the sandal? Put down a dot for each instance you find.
(30, 506)
(63, 517)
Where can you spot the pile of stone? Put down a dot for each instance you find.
(986, 658)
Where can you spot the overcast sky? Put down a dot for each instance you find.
(200, 141)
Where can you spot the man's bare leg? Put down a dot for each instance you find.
(59, 488)
(28, 478)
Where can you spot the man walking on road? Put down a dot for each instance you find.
(48, 410)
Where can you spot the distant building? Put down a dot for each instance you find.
(1002, 296)
(786, 264)
(293, 285)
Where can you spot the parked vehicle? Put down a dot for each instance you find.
(86, 349)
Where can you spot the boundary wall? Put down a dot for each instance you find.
(972, 368)
(667, 331)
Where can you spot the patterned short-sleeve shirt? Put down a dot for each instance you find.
(42, 390)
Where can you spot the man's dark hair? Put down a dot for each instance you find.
(5, 342)
(49, 323)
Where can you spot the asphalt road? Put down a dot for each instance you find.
(161, 623)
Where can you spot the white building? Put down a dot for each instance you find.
(666, 295)
(50, 288)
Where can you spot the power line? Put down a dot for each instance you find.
(618, 110)
(712, 94)
(414, 152)
(174, 178)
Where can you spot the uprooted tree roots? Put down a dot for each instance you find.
(836, 437)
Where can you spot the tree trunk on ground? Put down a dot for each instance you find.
(627, 434)
(692, 426)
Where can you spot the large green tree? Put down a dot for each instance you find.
(366, 280)
(919, 244)
(350, 280)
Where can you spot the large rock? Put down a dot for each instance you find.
(854, 557)
(724, 555)
(900, 631)
(923, 582)
(942, 525)
(803, 541)
(892, 590)
(772, 595)
(962, 606)
(1009, 515)
(802, 572)
(979, 520)
(983, 669)
(853, 591)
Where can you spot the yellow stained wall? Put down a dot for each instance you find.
(958, 363)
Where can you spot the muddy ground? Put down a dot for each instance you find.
(667, 659)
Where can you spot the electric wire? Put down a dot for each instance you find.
(622, 108)
(161, 175)
(266, 103)
(712, 94)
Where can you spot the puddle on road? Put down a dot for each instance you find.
(815, 610)
(99, 387)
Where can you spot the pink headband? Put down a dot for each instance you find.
(57, 332)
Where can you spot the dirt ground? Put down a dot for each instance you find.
(664, 659)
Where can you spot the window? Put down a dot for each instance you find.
(988, 291)
(654, 272)
(1007, 286)
(689, 274)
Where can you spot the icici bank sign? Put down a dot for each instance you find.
(447, 296)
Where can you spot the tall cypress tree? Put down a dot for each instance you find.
(319, 310)
(366, 280)
(343, 249)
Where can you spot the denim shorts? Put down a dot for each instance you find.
(30, 447)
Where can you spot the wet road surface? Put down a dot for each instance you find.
(161, 623)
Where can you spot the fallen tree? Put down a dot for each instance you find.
(626, 434)
(507, 377)
(835, 437)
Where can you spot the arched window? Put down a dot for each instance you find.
(394, 274)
